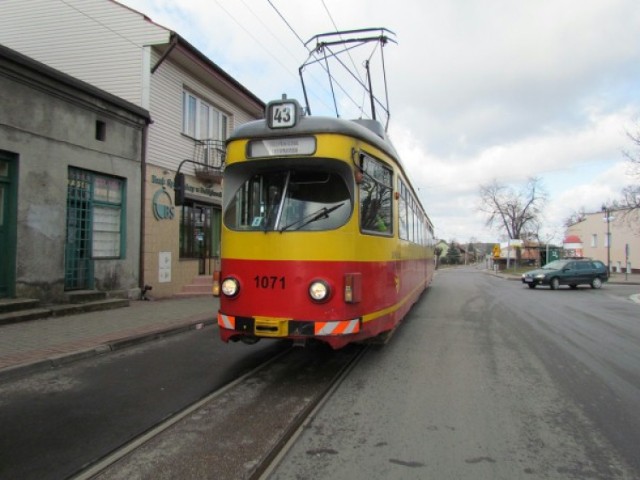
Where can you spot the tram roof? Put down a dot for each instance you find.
(370, 131)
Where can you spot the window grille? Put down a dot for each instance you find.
(95, 209)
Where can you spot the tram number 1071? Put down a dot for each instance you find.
(269, 282)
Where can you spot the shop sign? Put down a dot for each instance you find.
(194, 189)
(163, 208)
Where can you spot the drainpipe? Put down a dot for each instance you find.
(143, 206)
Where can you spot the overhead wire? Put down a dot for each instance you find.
(286, 22)
(248, 32)
(355, 68)
(332, 79)
(300, 40)
(266, 27)
(106, 27)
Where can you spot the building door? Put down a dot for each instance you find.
(8, 230)
(200, 235)
(202, 232)
(78, 265)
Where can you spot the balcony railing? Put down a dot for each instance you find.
(209, 157)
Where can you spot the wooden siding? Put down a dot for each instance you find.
(167, 145)
(98, 41)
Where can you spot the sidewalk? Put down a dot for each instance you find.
(43, 344)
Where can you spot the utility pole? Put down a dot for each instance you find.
(607, 218)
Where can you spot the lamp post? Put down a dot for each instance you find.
(607, 218)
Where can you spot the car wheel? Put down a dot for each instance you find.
(573, 286)
(596, 283)
(555, 283)
(531, 285)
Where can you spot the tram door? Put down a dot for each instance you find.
(7, 225)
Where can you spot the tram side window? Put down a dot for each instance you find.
(402, 211)
(375, 197)
(412, 220)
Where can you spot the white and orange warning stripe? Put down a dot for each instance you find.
(337, 328)
(225, 321)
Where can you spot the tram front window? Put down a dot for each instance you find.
(290, 200)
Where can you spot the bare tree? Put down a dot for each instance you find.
(628, 206)
(631, 193)
(516, 212)
(511, 210)
(575, 217)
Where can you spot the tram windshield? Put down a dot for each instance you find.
(290, 200)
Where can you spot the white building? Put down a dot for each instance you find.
(193, 104)
(616, 241)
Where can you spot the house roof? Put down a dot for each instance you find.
(572, 239)
(188, 57)
(229, 84)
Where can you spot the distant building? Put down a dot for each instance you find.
(527, 251)
(621, 247)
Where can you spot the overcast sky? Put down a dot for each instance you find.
(478, 89)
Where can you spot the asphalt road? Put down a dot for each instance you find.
(53, 423)
(488, 379)
(485, 379)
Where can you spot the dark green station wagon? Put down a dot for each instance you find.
(568, 272)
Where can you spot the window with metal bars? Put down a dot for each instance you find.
(95, 224)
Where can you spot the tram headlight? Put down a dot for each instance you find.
(319, 291)
(230, 287)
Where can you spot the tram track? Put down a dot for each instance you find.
(239, 430)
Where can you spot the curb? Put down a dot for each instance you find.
(56, 361)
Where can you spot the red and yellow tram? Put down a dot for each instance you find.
(323, 236)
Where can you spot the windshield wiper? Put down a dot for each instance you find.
(312, 217)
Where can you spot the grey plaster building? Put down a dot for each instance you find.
(70, 176)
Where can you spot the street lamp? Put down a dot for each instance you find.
(607, 218)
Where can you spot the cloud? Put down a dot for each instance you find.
(479, 89)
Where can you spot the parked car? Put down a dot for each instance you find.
(568, 272)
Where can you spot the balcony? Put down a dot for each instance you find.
(209, 157)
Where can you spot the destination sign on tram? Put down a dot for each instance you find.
(279, 147)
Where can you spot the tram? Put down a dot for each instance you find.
(323, 235)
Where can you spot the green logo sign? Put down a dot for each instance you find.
(163, 208)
